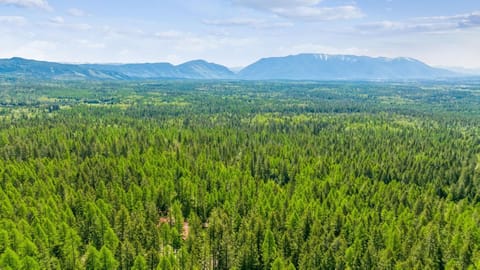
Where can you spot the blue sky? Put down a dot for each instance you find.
(238, 32)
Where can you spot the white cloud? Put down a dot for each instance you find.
(191, 42)
(310, 10)
(78, 26)
(75, 12)
(320, 13)
(170, 35)
(234, 22)
(468, 20)
(424, 24)
(272, 4)
(41, 4)
(35, 49)
(91, 44)
(250, 22)
(15, 20)
(57, 20)
(321, 48)
(60, 23)
(203, 44)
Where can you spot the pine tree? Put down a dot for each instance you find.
(140, 263)
(10, 259)
(29, 263)
(269, 249)
(92, 258)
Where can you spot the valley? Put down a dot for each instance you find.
(195, 174)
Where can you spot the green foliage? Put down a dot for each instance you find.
(140, 263)
(106, 260)
(110, 239)
(92, 258)
(4, 240)
(10, 259)
(269, 250)
(278, 264)
(29, 263)
(239, 175)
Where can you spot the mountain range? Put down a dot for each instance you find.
(293, 67)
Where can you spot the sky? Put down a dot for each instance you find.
(236, 33)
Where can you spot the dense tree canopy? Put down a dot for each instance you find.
(235, 175)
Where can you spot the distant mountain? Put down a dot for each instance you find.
(293, 67)
(200, 69)
(236, 69)
(19, 67)
(141, 71)
(468, 71)
(340, 67)
(197, 69)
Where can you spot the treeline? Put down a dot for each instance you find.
(158, 185)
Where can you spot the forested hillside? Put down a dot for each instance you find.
(232, 175)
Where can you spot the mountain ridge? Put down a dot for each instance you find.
(303, 66)
(340, 67)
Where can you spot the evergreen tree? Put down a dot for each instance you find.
(10, 259)
(269, 249)
(140, 263)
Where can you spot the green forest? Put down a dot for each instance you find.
(239, 175)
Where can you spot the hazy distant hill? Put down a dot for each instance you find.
(154, 70)
(197, 69)
(203, 70)
(339, 67)
(19, 67)
(294, 67)
(467, 71)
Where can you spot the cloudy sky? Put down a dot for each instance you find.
(238, 32)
